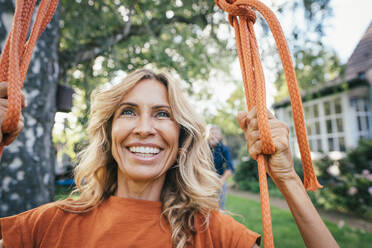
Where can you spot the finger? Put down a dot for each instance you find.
(10, 137)
(267, 164)
(270, 115)
(253, 137)
(23, 101)
(4, 89)
(3, 111)
(253, 125)
(3, 103)
(252, 113)
(242, 119)
(280, 139)
(276, 124)
(255, 150)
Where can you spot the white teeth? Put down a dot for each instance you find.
(144, 149)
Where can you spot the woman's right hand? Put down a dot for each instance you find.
(7, 138)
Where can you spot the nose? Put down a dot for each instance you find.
(144, 126)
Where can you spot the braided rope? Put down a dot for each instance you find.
(17, 54)
(242, 18)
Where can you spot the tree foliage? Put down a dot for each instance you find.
(314, 62)
(190, 38)
(313, 65)
(130, 34)
(100, 38)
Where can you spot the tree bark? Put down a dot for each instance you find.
(27, 165)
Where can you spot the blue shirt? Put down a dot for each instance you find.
(221, 155)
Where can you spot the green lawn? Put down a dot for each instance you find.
(285, 230)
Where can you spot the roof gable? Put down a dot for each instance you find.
(361, 58)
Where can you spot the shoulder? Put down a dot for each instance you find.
(219, 147)
(224, 147)
(230, 232)
(45, 211)
(19, 228)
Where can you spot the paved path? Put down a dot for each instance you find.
(338, 218)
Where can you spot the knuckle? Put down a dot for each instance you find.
(255, 135)
(283, 125)
(253, 124)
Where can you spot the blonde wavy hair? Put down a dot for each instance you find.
(191, 185)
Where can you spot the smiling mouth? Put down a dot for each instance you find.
(144, 151)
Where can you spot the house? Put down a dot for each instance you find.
(337, 113)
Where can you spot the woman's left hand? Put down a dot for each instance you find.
(280, 164)
(280, 167)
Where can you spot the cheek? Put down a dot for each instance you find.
(170, 134)
(174, 135)
(118, 134)
(118, 131)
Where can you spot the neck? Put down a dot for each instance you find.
(142, 190)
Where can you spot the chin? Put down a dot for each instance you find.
(143, 174)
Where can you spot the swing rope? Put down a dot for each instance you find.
(242, 17)
(17, 54)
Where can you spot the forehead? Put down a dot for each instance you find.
(147, 91)
(215, 130)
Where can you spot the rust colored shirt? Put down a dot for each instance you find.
(117, 222)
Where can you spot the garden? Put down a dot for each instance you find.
(347, 189)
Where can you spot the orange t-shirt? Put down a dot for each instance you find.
(117, 222)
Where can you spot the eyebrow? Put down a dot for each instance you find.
(136, 105)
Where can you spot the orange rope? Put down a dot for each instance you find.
(17, 54)
(254, 86)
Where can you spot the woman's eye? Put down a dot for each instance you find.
(163, 114)
(129, 112)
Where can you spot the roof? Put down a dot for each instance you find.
(361, 58)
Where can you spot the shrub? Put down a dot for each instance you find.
(246, 177)
(347, 182)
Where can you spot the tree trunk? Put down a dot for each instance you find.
(27, 165)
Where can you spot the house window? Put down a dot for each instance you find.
(363, 118)
(313, 124)
(325, 125)
(316, 111)
(327, 108)
(334, 124)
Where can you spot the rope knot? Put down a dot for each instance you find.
(236, 8)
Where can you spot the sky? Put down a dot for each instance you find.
(350, 21)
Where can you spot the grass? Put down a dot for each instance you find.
(286, 234)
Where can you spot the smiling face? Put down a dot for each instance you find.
(144, 133)
(214, 136)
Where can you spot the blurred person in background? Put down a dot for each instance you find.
(222, 161)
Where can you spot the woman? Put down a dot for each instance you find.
(222, 161)
(146, 179)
